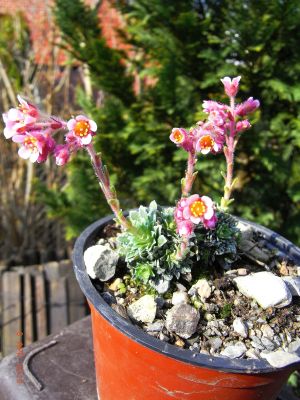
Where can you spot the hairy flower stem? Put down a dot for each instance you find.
(187, 184)
(229, 155)
(190, 175)
(182, 248)
(108, 191)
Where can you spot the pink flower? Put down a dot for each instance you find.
(242, 125)
(35, 146)
(191, 211)
(61, 154)
(198, 208)
(209, 139)
(210, 105)
(231, 86)
(247, 107)
(82, 129)
(182, 138)
(185, 228)
(210, 223)
(28, 108)
(16, 122)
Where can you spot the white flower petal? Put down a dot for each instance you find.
(209, 213)
(93, 125)
(34, 156)
(71, 123)
(195, 220)
(8, 133)
(24, 152)
(86, 139)
(207, 201)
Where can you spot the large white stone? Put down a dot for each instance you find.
(266, 288)
(280, 358)
(143, 310)
(101, 262)
(293, 283)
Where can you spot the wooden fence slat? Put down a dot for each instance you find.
(40, 305)
(11, 285)
(77, 302)
(58, 305)
(28, 323)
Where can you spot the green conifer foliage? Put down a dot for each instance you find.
(180, 48)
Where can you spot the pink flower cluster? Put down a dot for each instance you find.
(210, 136)
(25, 125)
(191, 211)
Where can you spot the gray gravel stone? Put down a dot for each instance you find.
(101, 262)
(235, 350)
(180, 297)
(280, 358)
(202, 288)
(156, 326)
(183, 320)
(143, 310)
(267, 331)
(268, 344)
(240, 327)
(215, 343)
(293, 283)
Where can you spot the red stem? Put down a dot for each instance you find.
(105, 185)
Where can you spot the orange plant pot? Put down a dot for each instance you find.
(132, 365)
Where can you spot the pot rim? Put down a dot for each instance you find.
(255, 366)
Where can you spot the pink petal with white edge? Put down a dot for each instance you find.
(195, 220)
(226, 80)
(186, 213)
(18, 138)
(192, 198)
(86, 140)
(71, 124)
(207, 201)
(82, 118)
(93, 125)
(209, 213)
(204, 151)
(22, 101)
(14, 114)
(24, 152)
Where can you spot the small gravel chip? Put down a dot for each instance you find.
(240, 327)
(235, 350)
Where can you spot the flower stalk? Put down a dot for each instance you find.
(190, 175)
(106, 187)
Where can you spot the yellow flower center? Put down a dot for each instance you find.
(30, 142)
(178, 136)
(206, 142)
(81, 128)
(198, 208)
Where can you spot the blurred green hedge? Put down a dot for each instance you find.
(181, 50)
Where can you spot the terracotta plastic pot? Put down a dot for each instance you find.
(131, 365)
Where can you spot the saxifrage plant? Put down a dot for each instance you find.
(159, 244)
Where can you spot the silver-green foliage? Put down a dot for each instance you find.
(150, 248)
